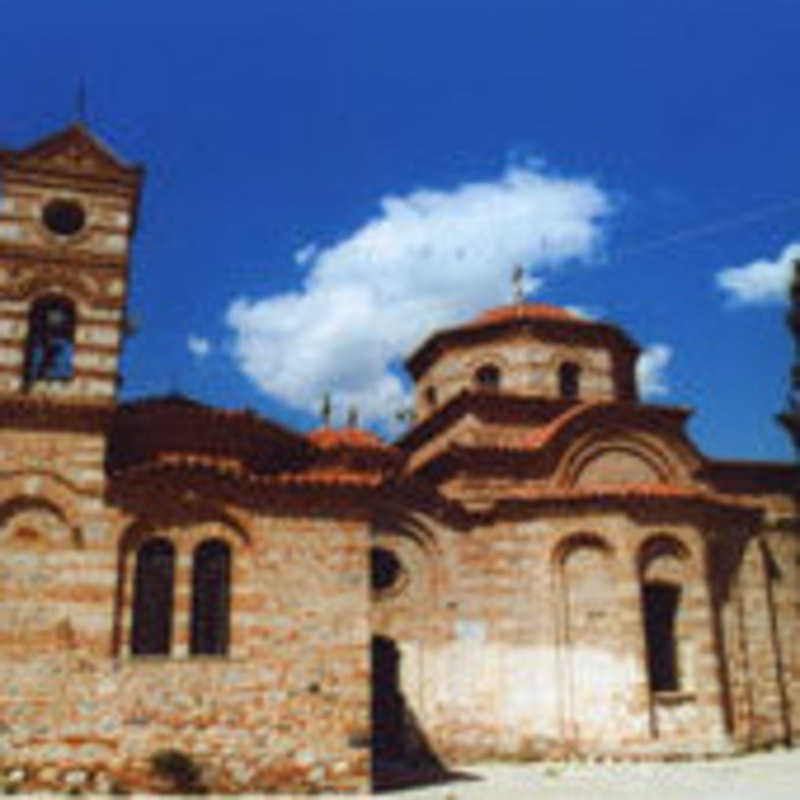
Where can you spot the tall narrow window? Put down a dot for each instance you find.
(51, 340)
(488, 377)
(152, 600)
(660, 608)
(569, 375)
(211, 598)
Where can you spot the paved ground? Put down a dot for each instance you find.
(766, 776)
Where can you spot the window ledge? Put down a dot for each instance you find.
(674, 698)
(159, 658)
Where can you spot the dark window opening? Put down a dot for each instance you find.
(152, 601)
(211, 598)
(660, 608)
(51, 340)
(385, 568)
(64, 217)
(430, 395)
(488, 377)
(569, 380)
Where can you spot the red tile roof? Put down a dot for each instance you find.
(524, 311)
(328, 438)
(333, 475)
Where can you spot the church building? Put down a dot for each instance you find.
(542, 566)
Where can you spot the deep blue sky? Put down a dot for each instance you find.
(265, 126)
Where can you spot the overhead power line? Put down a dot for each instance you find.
(709, 228)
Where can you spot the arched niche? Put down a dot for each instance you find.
(587, 625)
(617, 467)
(36, 573)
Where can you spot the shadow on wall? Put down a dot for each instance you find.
(401, 754)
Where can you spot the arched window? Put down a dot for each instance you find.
(211, 575)
(663, 562)
(569, 375)
(51, 340)
(660, 608)
(488, 377)
(152, 598)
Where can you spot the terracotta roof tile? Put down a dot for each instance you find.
(327, 438)
(538, 437)
(524, 311)
(328, 477)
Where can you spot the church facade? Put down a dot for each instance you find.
(542, 566)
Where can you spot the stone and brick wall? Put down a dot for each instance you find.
(533, 642)
(286, 709)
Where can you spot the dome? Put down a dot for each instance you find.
(534, 350)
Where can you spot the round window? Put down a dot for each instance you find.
(64, 217)
(386, 569)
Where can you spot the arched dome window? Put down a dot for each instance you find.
(569, 376)
(51, 340)
(487, 377)
(211, 578)
(152, 598)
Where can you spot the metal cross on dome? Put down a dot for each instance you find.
(517, 280)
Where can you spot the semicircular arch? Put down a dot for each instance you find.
(36, 519)
(43, 488)
(616, 456)
(189, 527)
(568, 544)
(664, 556)
(76, 287)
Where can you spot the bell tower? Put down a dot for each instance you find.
(791, 417)
(67, 213)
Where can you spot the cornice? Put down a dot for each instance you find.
(46, 413)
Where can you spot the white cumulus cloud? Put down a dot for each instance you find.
(651, 370)
(584, 312)
(305, 254)
(761, 281)
(428, 259)
(198, 346)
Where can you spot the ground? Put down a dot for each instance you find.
(768, 776)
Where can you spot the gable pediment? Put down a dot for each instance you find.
(75, 151)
